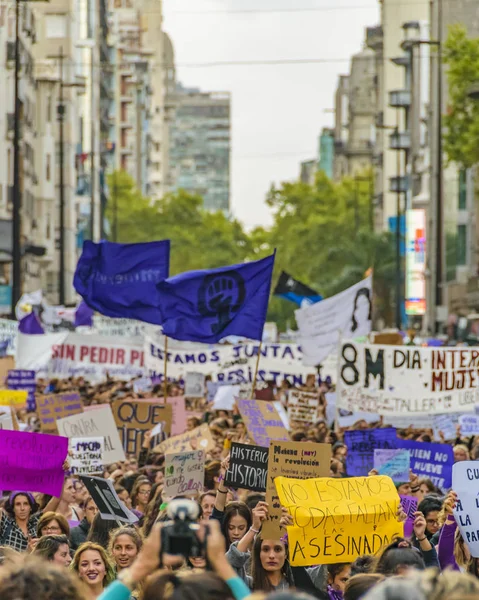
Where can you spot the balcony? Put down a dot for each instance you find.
(399, 184)
(374, 37)
(400, 140)
(400, 98)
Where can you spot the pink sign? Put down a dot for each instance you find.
(178, 424)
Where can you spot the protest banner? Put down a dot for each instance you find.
(86, 455)
(361, 445)
(105, 497)
(96, 423)
(18, 379)
(346, 315)
(433, 461)
(13, 397)
(198, 438)
(135, 418)
(393, 463)
(51, 407)
(248, 467)
(465, 482)
(116, 327)
(469, 424)
(290, 459)
(409, 504)
(337, 520)
(303, 406)
(231, 363)
(398, 380)
(262, 421)
(32, 461)
(194, 385)
(184, 473)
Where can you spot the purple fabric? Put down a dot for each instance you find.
(334, 594)
(31, 325)
(84, 315)
(445, 547)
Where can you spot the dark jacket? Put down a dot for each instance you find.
(79, 534)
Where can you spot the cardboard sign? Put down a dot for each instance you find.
(290, 459)
(303, 406)
(337, 520)
(7, 363)
(18, 379)
(262, 421)
(469, 424)
(134, 419)
(194, 385)
(32, 461)
(248, 467)
(361, 445)
(393, 463)
(199, 437)
(52, 407)
(185, 473)
(110, 506)
(433, 461)
(87, 455)
(465, 482)
(95, 423)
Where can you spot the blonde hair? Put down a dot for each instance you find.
(109, 568)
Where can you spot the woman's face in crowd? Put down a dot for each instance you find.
(69, 493)
(207, 505)
(240, 428)
(62, 556)
(90, 511)
(124, 551)
(81, 491)
(311, 380)
(198, 563)
(404, 489)
(341, 453)
(272, 555)
(91, 568)
(432, 524)
(21, 507)
(144, 493)
(190, 424)
(236, 528)
(52, 528)
(340, 580)
(125, 498)
(460, 454)
(423, 492)
(159, 477)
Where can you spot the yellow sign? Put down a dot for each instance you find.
(13, 397)
(337, 520)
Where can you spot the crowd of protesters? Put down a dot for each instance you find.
(62, 548)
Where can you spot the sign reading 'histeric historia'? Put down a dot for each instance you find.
(394, 380)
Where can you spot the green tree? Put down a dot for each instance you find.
(461, 137)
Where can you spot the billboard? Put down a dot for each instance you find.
(415, 261)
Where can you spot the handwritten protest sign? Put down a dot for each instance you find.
(409, 504)
(248, 467)
(194, 385)
(262, 421)
(361, 445)
(303, 406)
(395, 380)
(52, 407)
(32, 461)
(447, 425)
(465, 482)
(199, 437)
(469, 424)
(13, 397)
(95, 423)
(184, 473)
(337, 520)
(394, 463)
(18, 379)
(433, 461)
(290, 459)
(87, 455)
(134, 419)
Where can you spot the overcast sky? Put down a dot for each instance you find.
(277, 110)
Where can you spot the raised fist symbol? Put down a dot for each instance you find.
(221, 295)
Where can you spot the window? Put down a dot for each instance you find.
(461, 244)
(48, 168)
(462, 190)
(49, 108)
(55, 26)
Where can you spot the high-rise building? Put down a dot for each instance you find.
(326, 151)
(200, 146)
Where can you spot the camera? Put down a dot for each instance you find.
(179, 535)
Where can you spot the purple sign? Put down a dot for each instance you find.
(433, 461)
(32, 461)
(17, 379)
(361, 445)
(409, 504)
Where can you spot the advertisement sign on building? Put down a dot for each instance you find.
(416, 261)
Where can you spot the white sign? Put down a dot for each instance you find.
(344, 316)
(95, 423)
(87, 455)
(465, 482)
(446, 424)
(225, 397)
(184, 473)
(303, 406)
(195, 385)
(111, 327)
(6, 419)
(8, 333)
(416, 261)
(469, 425)
(398, 380)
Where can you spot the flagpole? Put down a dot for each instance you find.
(257, 368)
(165, 369)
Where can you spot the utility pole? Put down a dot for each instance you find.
(17, 200)
(61, 117)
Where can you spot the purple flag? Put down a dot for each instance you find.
(84, 315)
(32, 461)
(31, 325)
